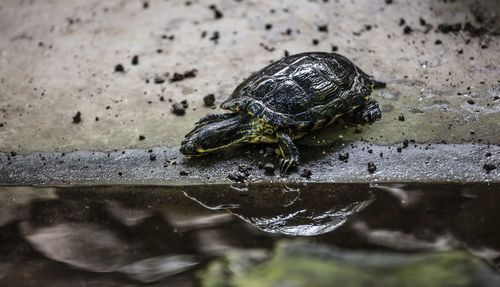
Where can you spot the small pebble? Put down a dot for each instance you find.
(209, 100)
(119, 68)
(306, 173)
(237, 176)
(489, 167)
(178, 109)
(135, 60)
(141, 138)
(152, 157)
(269, 168)
(183, 173)
(344, 156)
(159, 80)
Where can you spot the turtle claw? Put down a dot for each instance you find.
(286, 164)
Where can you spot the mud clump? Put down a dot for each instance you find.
(371, 167)
(489, 167)
(178, 109)
(185, 104)
(307, 173)
(77, 118)
(179, 77)
(344, 156)
(217, 14)
(215, 37)
(269, 168)
(159, 80)
(209, 100)
(237, 176)
(135, 60)
(119, 68)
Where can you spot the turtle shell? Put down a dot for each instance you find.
(302, 89)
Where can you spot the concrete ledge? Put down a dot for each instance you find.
(165, 166)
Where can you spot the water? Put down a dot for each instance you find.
(171, 236)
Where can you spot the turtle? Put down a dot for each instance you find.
(286, 100)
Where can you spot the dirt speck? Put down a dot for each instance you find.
(371, 167)
(344, 156)
(178, 109)
(217, 14)
(159, 80)
(141, 137)
(77, 118)
(135, 60)
(119, 68)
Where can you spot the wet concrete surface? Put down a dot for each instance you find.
(58, 59)
(357, 162)
(131, 235)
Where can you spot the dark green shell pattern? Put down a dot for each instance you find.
(302, 89)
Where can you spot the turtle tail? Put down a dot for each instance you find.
(378, 84)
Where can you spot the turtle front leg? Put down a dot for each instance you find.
(369, 112)
(291, 157)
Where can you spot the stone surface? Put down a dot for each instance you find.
(58, 59)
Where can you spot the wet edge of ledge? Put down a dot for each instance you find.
(365, 163)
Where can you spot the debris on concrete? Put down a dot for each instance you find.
(187, 74)
(209, 100)
(135, 60)
(269, 168)
(371, 167)
(178, 109)
(343, 156)
(119, 68)
(77, 118)
(159, 80)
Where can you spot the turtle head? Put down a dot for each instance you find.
(214, 135)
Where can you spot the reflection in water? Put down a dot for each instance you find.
(127, 236)
(306, 222)
(282, 209)
(93, 248)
